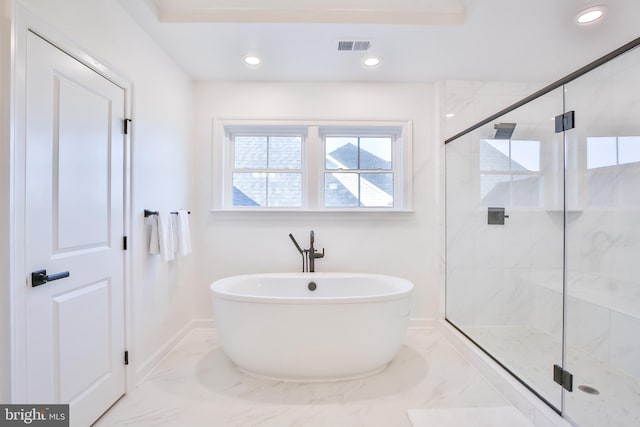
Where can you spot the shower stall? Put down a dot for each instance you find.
(543, 240)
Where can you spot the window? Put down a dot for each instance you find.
(358, 171)
(267, 170)
(315, 166)
(510, 173)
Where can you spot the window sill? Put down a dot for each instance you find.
(313, 211)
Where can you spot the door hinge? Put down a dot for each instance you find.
(562, 377)
(124, 243)
(125, 126)
(126, 357)
(565, 121)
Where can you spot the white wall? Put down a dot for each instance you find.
(403, 244)
(6, 7)
(162, 157)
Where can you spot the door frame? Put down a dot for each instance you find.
(25, 22)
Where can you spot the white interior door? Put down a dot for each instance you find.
(74, 223)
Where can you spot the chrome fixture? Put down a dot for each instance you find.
(310, 255)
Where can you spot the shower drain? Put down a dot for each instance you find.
(588, 389)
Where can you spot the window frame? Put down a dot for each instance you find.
(365, 132)
(312, 162)
(231, 167)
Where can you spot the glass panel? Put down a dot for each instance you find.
(601, 152)
(341, 189)
(526, 191)
(628, 149)
(525, 156)
(341, 152)
(603, 246)
(284, 189)
(494, 155)
(285, 152)
(376, 190)
(249, 189)
(504, 282)
(250, 152)
(375, 153)
(495, 190)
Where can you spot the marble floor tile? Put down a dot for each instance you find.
(506, 416)
(531, 354)
(197, 385)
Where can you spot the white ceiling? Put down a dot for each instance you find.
(513, 40)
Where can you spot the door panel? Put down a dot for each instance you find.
(602, 343)
(78, 369)
(83, 150)
(504, 241)
(74, 222)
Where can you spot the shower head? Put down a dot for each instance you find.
(504, 130)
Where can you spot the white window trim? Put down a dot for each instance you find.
(312, 161)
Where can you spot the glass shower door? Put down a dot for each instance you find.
(505, 241)
(603, 245)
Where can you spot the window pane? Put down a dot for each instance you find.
(285, 152)
(284, 189)
(525, 155)
(628, 149)
(494, 190)
(249, 189)
(341, 152)
(526, 191)
(250, 152)
(494, 155)
(340, 189)
(601, 152)
(375, 153)
(376, 189)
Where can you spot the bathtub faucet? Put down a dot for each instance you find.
(310, 255)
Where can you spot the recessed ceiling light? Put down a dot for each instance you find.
(449, 115)
(590, 15)
(252, 60)
(371, 61)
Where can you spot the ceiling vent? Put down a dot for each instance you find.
(353, 45)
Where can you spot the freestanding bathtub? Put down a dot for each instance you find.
(274, 326)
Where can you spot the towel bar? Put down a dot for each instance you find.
(148, 213)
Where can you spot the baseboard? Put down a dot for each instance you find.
(415, 323)
(539, 413)
(203, 324)
(147, 366)
(422, 323)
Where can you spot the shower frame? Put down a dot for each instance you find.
(563, 121)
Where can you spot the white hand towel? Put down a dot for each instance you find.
(184, 233)
(162, 237)
(154, 243)
(167, 244)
